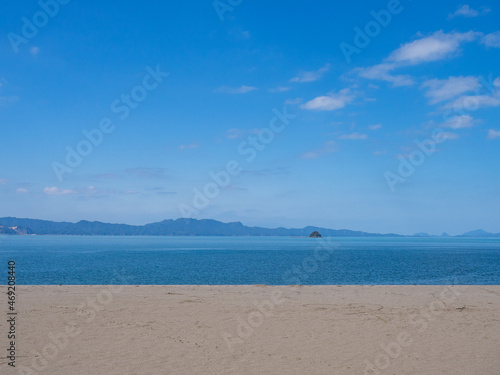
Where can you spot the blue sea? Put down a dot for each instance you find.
(74, 260)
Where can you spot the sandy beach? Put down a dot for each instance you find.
(255, 330)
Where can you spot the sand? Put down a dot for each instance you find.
(75, 330)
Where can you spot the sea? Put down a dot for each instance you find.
(157, 260)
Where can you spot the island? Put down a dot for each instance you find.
(315, 234)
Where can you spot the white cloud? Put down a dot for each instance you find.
(328, 147)
(493, 134)
(56, 191)
(324, 103)
(236, 90)
(491, 40)
(444, 89)
(91, 192)
(402, 156)
(311, 76)
(189, 146)
(448, 136)
(473, 102)
(146, 172)
(382, 72)
(374, 127)
(459, 122)
(8, 100)
(238, 133)
(293, 101)
(464, 11)
(435, 47)
(331, 102)
(239, 34)
(22, 191)
(354, 136)
(280, 89)
(34, 51)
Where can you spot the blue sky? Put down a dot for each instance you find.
(316, 109)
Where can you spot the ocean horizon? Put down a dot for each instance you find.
(179, 260)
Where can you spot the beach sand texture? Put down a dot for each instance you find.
(73, 330)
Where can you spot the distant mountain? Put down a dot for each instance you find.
(184, 227)
(421, 235)
(179, 227)
(444, 234)
(6, 230)
(14, 230)
(479, 233)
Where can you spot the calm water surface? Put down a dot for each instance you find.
(249, 260)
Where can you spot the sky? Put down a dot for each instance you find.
(381, 116)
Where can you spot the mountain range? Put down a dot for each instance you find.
(184, 227)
